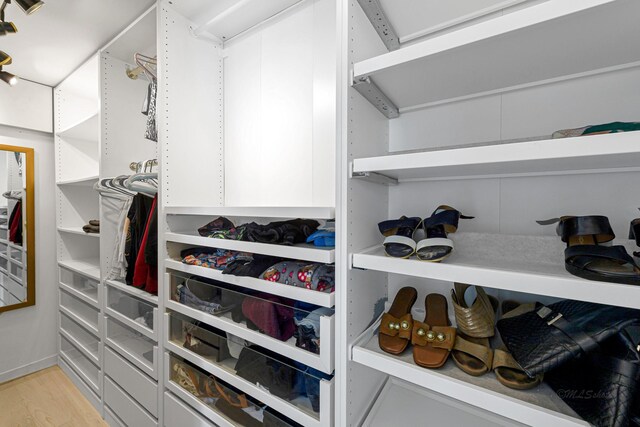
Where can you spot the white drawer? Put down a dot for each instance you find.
(130, 412)
(111, 419)
(179, 414)
(133, 381)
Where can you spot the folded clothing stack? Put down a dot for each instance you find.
(217, 259)
(325, 236)
(288, 232)
(92, 227)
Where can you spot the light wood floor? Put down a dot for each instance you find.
(46, 398)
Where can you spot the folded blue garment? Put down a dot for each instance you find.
(323, 238)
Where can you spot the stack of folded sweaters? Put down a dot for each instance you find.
(92, 227)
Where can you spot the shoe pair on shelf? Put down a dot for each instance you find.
(435, 339)
(427, 238)
(587, 255)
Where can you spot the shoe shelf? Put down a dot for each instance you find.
(304, 252)
(80, 363)
(509, 159)
(504, 53)
(138, 293)
(498, 261)
(228, 375)
(86, 267)
(322, 299)
(77, 231)
(87, 181)
(85, 129)
(278, 212)
(540, 406)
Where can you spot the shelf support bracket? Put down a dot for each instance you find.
(375, 177)
(372, 93)
(375, 13)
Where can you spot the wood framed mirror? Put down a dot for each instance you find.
(17, 228)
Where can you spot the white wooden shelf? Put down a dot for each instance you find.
(256, 212)
(78, 231)
(505, 52)
(323, 361)
(89, 267)
(83, 181)
(532, 276)
(299, 294)
(139, 293)
(86, 129)
(305, 251)
(540, 406)
(550, 156)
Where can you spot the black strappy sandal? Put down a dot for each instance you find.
(585, 257)
(431, 234)
(398, 242)
(634, 234)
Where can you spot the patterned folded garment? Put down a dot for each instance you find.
(213, 258)
(319, 277)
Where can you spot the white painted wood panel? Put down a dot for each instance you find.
(27, 105)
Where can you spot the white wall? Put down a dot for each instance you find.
(27, 105)
(28, 335)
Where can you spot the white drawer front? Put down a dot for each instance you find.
(179, 414)
(133, 381)
(130, 412)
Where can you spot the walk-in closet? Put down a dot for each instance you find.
(319, 213)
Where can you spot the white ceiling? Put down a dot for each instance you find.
(54, 41)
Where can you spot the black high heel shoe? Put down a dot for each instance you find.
(585, 256)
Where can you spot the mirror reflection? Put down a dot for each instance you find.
(13, 229)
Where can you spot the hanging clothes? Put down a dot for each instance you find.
(117, 270)
(152, 126)
(138, 215)
(15, 224)
(146, 275)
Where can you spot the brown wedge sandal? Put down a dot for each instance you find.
(434, 338)
(472, 352)
(396, 325)
(507, 370)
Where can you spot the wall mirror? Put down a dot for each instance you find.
(17, 225)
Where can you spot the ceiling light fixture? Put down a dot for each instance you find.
(7, 27)
(8, 78)
(4, 59)
(29, 6)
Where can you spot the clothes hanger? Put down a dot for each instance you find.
(135, 183)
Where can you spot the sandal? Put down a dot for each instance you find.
(434, 338)
(507, 370)
(634, 234)
(476, 324)
(431, 234)
(398, 242)
(396, 325)
(586, 258)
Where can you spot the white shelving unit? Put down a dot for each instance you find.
(467, 117)
(76, 145)
(258, 41)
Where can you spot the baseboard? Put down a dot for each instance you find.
(29, 369)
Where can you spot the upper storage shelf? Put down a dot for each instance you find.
(226, 19)
(86, 129)
(255, 212)
(551, 40)
(551, 156)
